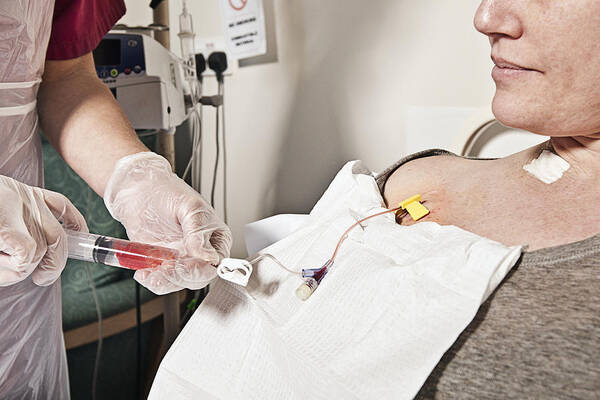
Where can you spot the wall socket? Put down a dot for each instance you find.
(208, 45)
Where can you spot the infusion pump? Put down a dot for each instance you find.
(145, 78)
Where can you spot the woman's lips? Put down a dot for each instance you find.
(501, 73)
(506, 70)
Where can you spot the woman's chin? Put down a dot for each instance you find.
(518, 114)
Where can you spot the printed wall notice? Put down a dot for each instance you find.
(244, 27)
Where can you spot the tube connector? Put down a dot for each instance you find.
(306, 289)
(316, 273)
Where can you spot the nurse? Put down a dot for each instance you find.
(48, 81)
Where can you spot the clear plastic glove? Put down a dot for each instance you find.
(32, 240)
(191, 273)
(157, 207)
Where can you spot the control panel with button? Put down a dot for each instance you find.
(145, 78)
(118, 55)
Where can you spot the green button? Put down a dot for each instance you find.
(114, 72)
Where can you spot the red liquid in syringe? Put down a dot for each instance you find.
(131, 255)
(136, 256)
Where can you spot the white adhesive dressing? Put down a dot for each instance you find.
(548, 167)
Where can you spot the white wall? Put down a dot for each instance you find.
(347, 75)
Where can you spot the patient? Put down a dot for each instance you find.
(539, 334)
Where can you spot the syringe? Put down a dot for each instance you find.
(133, 255)
(118, 252)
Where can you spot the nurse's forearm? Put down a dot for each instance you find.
(83, 121)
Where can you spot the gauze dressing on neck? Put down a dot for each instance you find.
(548, 167)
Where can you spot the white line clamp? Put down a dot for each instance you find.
(235, 271)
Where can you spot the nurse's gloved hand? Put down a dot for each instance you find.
(190, 273)
(157, 207)
(32, 240)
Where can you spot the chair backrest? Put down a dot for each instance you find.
(491, 139)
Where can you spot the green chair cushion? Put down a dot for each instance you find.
(79, 308)
(115, 288)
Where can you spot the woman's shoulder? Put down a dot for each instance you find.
(495, 198)
(423, 172)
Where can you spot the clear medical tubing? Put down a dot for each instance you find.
(186, 34)
(118, 252)
(188, 50)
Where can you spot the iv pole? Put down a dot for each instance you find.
(166, 148)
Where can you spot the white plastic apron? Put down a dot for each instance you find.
(32, 353)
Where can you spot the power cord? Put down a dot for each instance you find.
(217, 61)
(222, 94)
(197, 131)
(195, 163)
(216, 167)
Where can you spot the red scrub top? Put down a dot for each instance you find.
(79, 25)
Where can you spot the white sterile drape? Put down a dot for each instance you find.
(395, 300)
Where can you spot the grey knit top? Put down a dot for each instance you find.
(537, 336)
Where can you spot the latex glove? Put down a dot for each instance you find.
(32, 241)
(157, 207)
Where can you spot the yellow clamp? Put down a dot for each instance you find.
(414, 207)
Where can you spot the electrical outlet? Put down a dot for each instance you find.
(206, 46)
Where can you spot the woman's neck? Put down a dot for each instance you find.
(581, 152)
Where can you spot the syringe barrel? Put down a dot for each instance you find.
(117, 252)
(81, 245)
(90, 247)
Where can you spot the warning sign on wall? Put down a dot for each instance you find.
(244, 27)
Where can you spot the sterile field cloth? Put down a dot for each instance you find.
(394, 301)
(265, 232)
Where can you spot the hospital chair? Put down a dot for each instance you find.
(491, 139)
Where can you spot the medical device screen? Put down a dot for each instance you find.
(108, 52)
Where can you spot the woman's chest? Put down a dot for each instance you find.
(538, 333)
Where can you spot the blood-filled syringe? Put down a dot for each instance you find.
(118, 252)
